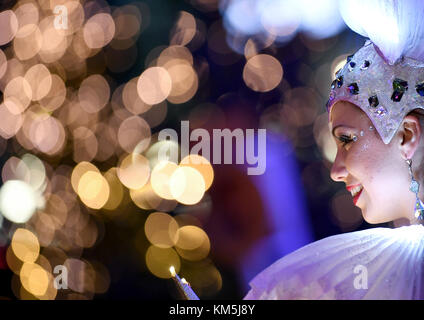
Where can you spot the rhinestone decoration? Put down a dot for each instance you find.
(353, 88)
(373, 101)
(414, 187)
(354, 138)
(420, 89)
(365, 65)
(383, 94)
(419, 209)
(361, 133)
(351, 66)
(380, 111)
(337, 82)
(399, 88)
(331, 98)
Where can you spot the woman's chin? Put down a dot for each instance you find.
(375, 218)
(372, 217)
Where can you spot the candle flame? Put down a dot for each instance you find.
(172, 270)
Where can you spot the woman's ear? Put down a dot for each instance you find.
(410, 133)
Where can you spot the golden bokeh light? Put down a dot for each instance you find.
(99, 30)
(202, 165)
(93, 189)
(8, 25)
(45, 228)
(116, 190)
(47, 134)
(185, 81)
(57, 210)
(134, 171)
(159, 260)
(25, 245)
(179, 53)
(187, 185)
(134, 134)
(160, 177)
(147, 199)
(164, 150)
(54, 42)
(56, 96)
(15, 169)
(10, 122)
(184, 29)
(15, 68)
(131, 99)
(94, 93)
(13, 262)
(127, 21)
(161, 230)
(192, 243)
(36, 170)
(28, 42)
(34, 279)
(262, 73)
(154, 85)
(3, 63)
(79, 170)
(40, 81)
(17, 95)
(27, 14)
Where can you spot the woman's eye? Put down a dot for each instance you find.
(345, 140)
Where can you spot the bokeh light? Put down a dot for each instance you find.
(99, 30)
(134, 171)
(161, 230)
(159, 260)
(18, 201)
(25, 245)
(160, 178)
(187, 185)
(9, 26)
(262, 73)
(202, 165)
(93, 189)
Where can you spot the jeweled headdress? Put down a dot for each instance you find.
(385, 78)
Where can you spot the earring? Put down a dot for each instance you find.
(415, 187)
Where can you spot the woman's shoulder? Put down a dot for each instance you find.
(328, 268)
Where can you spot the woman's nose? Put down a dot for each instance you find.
(338, 170)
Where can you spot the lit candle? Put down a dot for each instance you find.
(183, 286)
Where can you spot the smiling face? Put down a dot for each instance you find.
(374, 172)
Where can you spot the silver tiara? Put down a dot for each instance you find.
(385, 92)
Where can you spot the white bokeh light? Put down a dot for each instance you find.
(18, 201)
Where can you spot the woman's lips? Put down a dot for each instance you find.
(355, 198)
